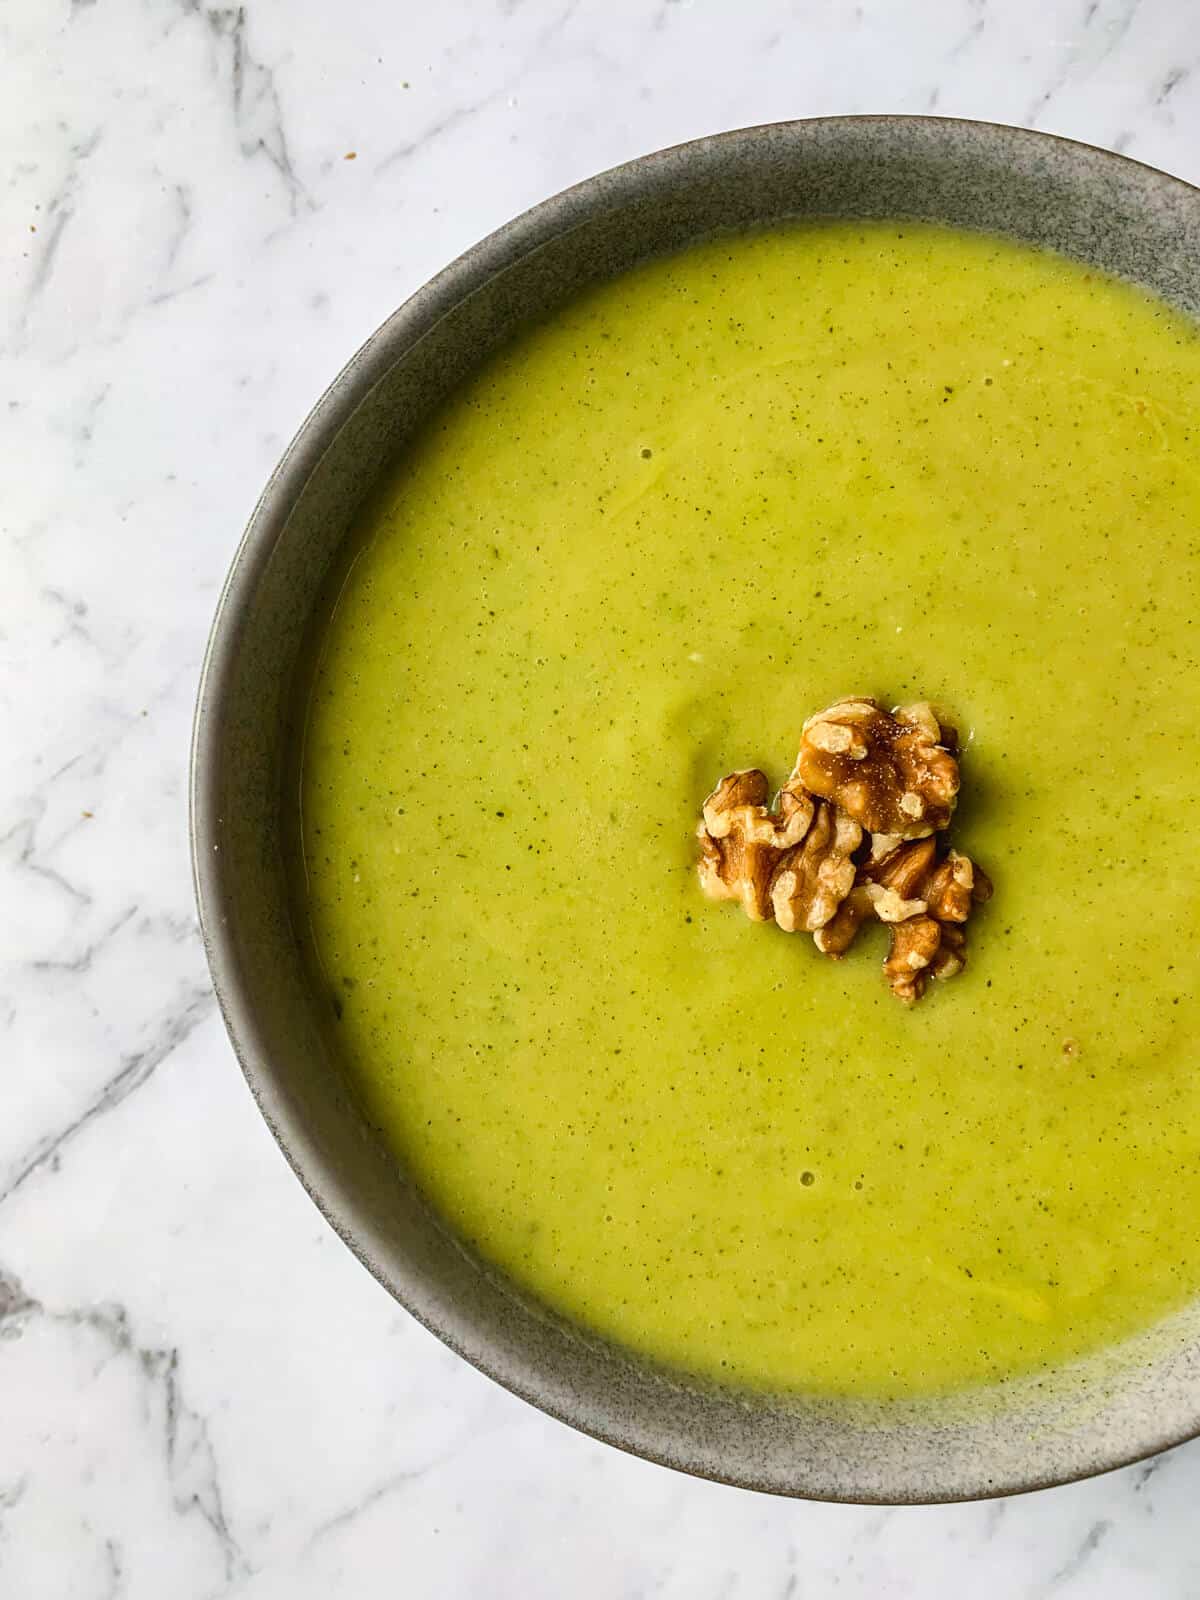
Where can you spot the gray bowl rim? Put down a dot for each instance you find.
(414, 317)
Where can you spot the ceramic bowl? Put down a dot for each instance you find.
(1087, 203)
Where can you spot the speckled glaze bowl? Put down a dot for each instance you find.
(1098, 207)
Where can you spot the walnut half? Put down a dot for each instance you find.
(923, 948)
(793, 865)
(742, 842)
(925, 899)
(813, 880)
(893, 773)
(912, 878)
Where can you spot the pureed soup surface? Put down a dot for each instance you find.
(633, 553)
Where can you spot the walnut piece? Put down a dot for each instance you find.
(742, 841)
(915, 943)
(890, 772)
(793, 864)
(840, 932)
(912, 874)
(811, 882)
(926, 900)
(923, 948)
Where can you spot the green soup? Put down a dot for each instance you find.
(634, 553)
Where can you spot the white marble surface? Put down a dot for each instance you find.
(201, 1393)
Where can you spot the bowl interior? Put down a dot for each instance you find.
(1122, 217)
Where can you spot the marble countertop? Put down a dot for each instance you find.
(207, 207)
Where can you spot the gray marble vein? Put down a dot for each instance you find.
(1081, 1557)
(134, 1070)
(190, 1465)
(19, 843)
(458, 115)
(254, 98)
(57, 213)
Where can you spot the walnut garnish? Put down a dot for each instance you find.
(853, 838)
(840, 932)
(923, 948)
(951, 955)
(793, 864)
(811, 882)
(922, 715)
(891, 772)
(928, 946)
(912, 875)
(915, 943)
(926, 899)
(742, 842)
